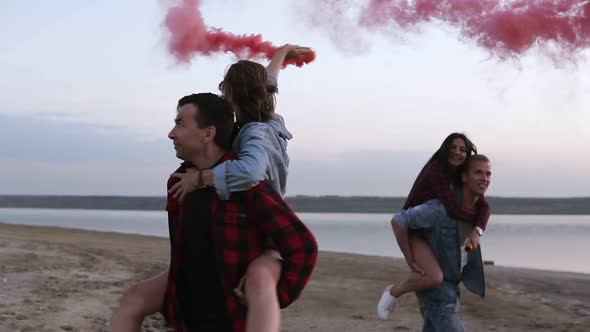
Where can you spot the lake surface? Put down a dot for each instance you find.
(550, 242)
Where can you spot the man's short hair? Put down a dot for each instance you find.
(475, 157)
(213, 111)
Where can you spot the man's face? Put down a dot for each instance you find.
(478, 177)
(189, 140)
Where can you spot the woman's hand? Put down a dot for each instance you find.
(286, 51)
(474, 239)
(189, 181)
(292, 51)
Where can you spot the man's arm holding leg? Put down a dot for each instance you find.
(403, 240)
(419, 217)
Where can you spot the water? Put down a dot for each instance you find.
(550, 242)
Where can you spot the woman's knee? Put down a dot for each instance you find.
(135, 301)
(434, 279)
(263, 274)
(131, 297)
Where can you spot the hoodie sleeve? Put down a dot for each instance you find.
(273, 78)
(250, 167)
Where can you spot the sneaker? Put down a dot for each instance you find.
(386, 304)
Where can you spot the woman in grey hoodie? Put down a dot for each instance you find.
(261, 142)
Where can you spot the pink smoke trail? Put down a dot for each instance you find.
(190, 37)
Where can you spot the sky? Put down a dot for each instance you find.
(89, 94)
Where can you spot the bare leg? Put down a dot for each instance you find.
(139, 301)
(432, 273)
(261, 282)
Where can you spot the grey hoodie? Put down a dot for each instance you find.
(262, 155)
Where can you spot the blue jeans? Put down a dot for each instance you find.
(440, 315)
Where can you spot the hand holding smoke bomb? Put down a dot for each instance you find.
(299, 51)
(299, 55)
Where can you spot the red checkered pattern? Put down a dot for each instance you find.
(240, 227)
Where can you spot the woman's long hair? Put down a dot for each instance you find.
(442, 156)
(246, 86)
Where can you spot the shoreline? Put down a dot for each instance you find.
(530, 269)
(57, 279)
(305, 203)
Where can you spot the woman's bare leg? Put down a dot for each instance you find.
(425, 258)
(261, 281)
(138, 301)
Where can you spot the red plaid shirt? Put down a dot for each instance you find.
(434, 182)
(240, 227)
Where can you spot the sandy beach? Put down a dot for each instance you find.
(54, 279)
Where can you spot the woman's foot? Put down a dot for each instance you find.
(386, 304)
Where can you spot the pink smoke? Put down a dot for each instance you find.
(190, 37)
(505, 28)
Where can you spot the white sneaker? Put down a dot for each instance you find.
(386, 304)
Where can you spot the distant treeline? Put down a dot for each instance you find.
(350, 204)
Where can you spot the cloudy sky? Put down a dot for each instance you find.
(89, 94)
